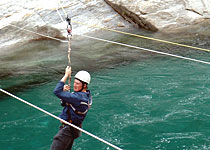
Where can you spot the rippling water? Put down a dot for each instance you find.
(141, 100)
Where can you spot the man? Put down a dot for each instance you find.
(76, 105)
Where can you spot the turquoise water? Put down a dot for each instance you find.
(156, 104)
(139, 102)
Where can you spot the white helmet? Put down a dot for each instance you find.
(84, 76)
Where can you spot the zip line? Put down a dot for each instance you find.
(66, 122)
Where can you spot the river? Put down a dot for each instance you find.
(141, 100)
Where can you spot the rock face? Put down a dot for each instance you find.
(164, 15)
(42, 16)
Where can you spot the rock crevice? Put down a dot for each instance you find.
(132, 17)
(42, 16)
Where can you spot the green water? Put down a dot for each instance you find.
(140, 100)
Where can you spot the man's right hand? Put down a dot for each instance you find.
(68, 71)
(67, 74)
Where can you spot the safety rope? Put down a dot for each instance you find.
(69, 36)
(66, 122)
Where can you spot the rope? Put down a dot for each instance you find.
(59, 14)
(131, 46)
(46, 112)
(131, 34)
(69, 57)
(136, 35)
(145, 49)
(59, 2)
(145, 37)
(69, 36)
(47, 36)
(150, 50)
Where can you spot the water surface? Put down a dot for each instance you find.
(140, 100)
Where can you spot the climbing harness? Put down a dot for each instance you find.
(81, 103)
(89, 103)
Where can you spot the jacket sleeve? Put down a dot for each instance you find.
(66, 96)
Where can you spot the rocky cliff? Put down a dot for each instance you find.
(42, 16)
(164, 15)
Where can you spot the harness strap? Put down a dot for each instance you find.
(84, 103)
(78, 112)
(69, 115)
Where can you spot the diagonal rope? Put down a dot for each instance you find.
(150, 50)
(59, 3)
(145, 49)
(40, 34)
(122, 44)
(99, 40)
(145, 37)
(66, 122)
(136, 35)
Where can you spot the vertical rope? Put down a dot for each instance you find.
(69, 36)
(69, 58)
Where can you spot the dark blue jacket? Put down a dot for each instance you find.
(75, 99)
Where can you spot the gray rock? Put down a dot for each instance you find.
(43, 17)
(163, 15)
(87, 15)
